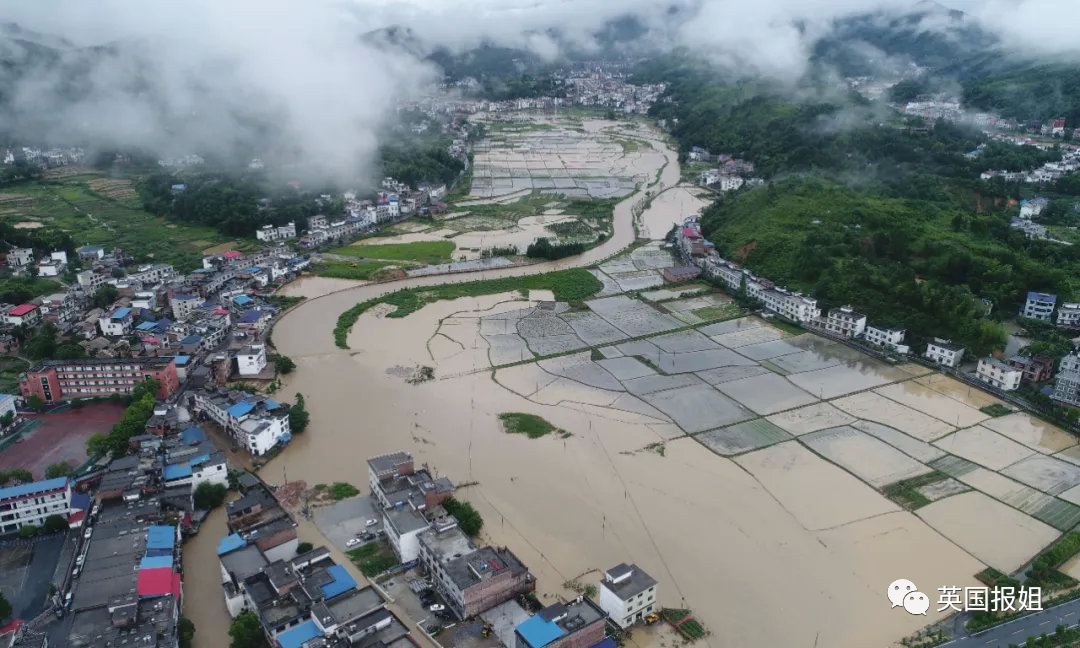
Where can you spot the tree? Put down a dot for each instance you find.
(28, 531)
(5, 607)
(21, 475)
(246, 632)
(60, 469)
(97, 445)
(34, 402)
(7, 418)
(54, 524)
(304, 547)
(469, 520)
(185, 629)
(208, 495)
(105, 295)
(284, 364)
(43, 345)
(298, 416)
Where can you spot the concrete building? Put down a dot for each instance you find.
(91, 281)
(1067, 381)
(845, 322)
(25, 315)
(576, 624)
(628, 594)
(792, 305)
(1035, 368)
(19, 257)
(944, 352)
(183, 305)
(90, 253)
(257, 424)
(997, 374)
(395, 483)
(471, 580)
(55, 380)
(887, 338)
(7, 405)
(251, 360)
(29, 504)
(117, 323)
(1039, 306)
(403, 527)
(1068, 314)
(270, 234)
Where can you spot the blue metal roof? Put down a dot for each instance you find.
(183, 296)
(240, 409)
(201, 459)
(146, 326)
(230, 543)
(121, 313)
(271, 404)
(193, 436)
(250, 317)
(538, 631)
(80, 501)
(32, 487)
(182, 360)
(160, 537)
(156, 562)
(241, 299)
(297, 636)
(191, 339)
(342, 582)
(1041, 296)
(176, 471)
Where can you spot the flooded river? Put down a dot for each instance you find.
(708, 529)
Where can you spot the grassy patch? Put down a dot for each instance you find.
(530, 425)
(713, 313)
(429, 252)
(995, 409)
(903, 492)
(567, 285)
(372, 558)
(684, 622)
(358, 270)
(112, 219)
(10, 368)
(787, 327)
(658, 447)
(283, 301)
(342, 490)
(989, 576)
(628, 146)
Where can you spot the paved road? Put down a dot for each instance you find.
(1017, 632)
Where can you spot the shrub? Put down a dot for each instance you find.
(341, 490)
(304, 547)
(468, 518)
(28, 531)
(208, 495)
(54, 523)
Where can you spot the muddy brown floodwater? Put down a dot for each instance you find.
(782, 549)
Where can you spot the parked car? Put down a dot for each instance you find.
(80, 560)
(352, 542)
(86, 534)
(371, 523)
(437, 607)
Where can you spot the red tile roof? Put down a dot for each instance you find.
(22, 310)
(155, 582)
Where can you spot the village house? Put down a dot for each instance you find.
(270, 233)
(628, 594)
(24, 315)
(846, 322)
(944, 352)
(998, 374)
(1067, 381)
(1033, 208)
(887, 337)
(29, 504)
(117, 323)
(19, 257)
(257, 424)
(251, 360)
(1039, 306)
(1034, 368)
(183, 305)
(90, 253)
(576, 624)
(1068, 314)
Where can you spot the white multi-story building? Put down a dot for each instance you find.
(270, 233)
(59, 306)
(403, 527)
(152, 273)
(19, 257)
(944, 352)
(1039, 306)
(887, 338)
(30, 504)
(792, 305)
(183, 305)
(144, 299)
(255, 423)
(1067, 380)
(1068, 314)
(729, 182)
(251, 360)
(91, 281)
(118, 323)
(998, 374)
(846, 322)
(627, 594)
(7, 405)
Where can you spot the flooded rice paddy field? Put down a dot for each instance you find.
(741, 466)
(594, 158)
(775, 451)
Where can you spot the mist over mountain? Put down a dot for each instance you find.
(317, 82)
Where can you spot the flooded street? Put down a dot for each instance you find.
(671, 208)
(204, 603)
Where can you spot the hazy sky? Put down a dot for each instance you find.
(188, 76)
